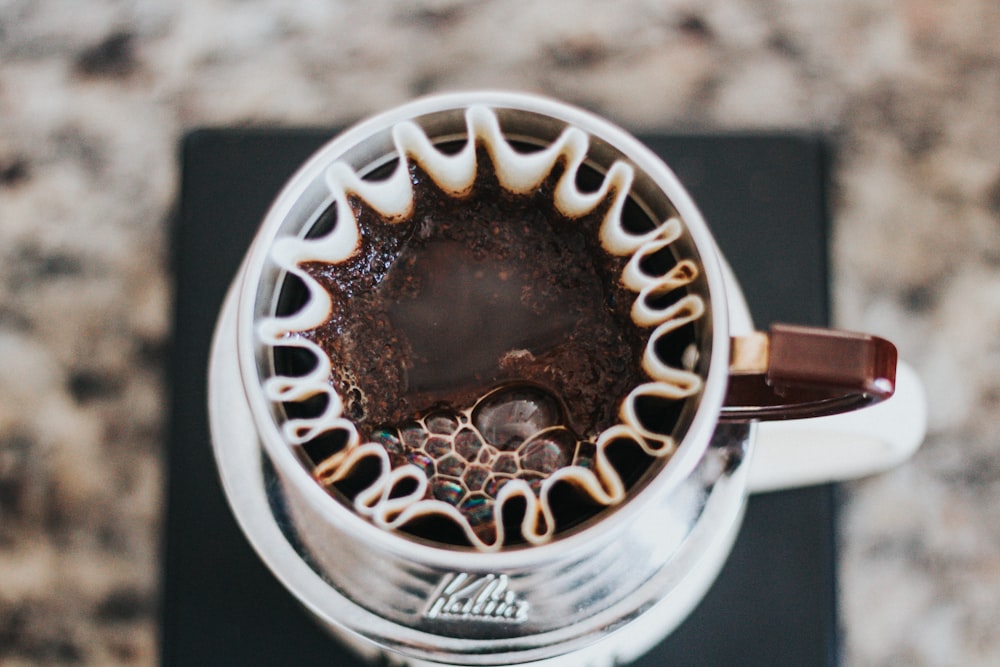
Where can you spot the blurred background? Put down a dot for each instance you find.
(95, 96)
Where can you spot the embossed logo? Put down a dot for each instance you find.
(466, 597)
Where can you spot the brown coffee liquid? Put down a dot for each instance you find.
(495, 303)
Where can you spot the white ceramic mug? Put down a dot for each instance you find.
(604, 591)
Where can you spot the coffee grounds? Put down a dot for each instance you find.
(475, 292)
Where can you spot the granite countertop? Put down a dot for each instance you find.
(95, 95)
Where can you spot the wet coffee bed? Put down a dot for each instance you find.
(472, 293)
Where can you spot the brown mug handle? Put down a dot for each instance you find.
(794, 372)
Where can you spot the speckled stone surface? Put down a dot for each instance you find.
(94, 97)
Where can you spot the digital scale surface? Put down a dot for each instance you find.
(764, 197)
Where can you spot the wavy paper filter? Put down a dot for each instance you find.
(518, 172)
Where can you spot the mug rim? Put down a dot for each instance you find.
(690, 446)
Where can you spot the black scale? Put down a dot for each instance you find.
(775, 602)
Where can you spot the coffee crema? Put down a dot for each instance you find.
(494, 365)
